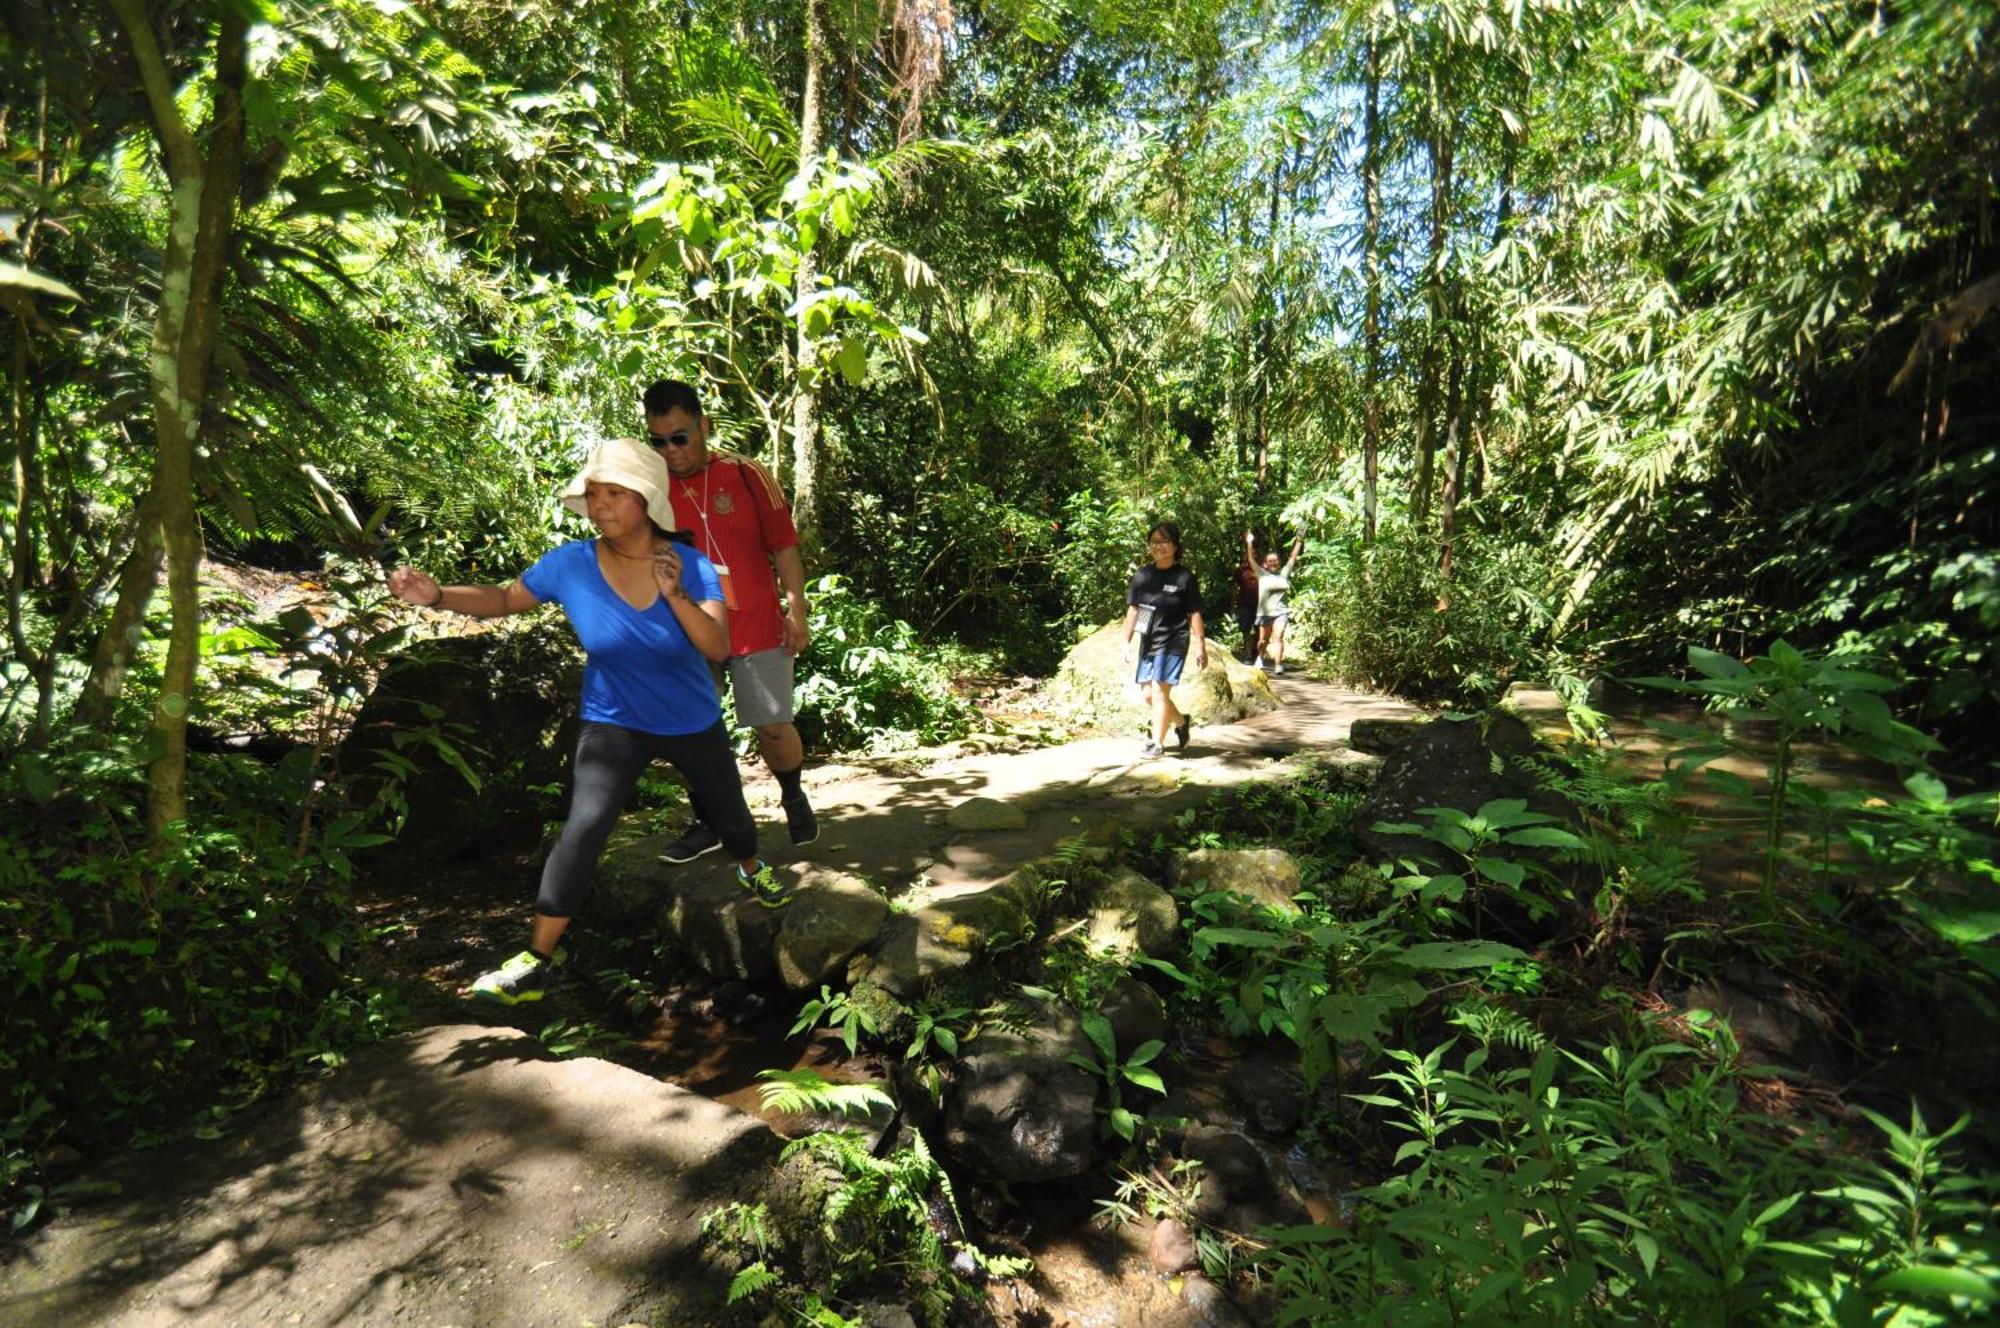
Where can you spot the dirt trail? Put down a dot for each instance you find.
(456, 1176)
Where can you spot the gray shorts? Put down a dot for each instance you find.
(762, 683)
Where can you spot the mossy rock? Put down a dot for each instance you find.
(506, 703)
(1094, 686)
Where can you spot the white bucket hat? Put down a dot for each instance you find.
(632, 464)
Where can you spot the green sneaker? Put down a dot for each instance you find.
(764, 887)
(523, 978)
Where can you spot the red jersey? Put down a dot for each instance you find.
(740, 518)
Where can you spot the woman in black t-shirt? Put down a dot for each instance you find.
(1164, 612)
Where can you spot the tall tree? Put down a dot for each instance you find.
(1371, 268)
(805, 401)
(204, 179)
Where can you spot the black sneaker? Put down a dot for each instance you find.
(1181, 733)
(799, 818)
(1149, 751)
(698, 840)
(521, 979)
(764, 887)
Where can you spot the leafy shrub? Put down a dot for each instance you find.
(867, 682)
(138, 982)
(1374, 611)
(1623, 1185)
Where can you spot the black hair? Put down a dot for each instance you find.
(676, 536)
(669, 394)
(1171, 531)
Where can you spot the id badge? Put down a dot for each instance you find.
(728, 590)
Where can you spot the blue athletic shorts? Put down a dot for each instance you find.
(1161, 667)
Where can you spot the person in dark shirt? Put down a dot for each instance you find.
(1164, 612)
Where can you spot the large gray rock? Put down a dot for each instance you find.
(1775, 1019)
(1129, 915)
(1022, 1117)
(1268, 876)
(832, 915)
(718, 929)
(505, 702)
(1094, 686)
(1459, 763)
(945, 934)
(416, 1184)
(1382, 736)
(1136, 1012)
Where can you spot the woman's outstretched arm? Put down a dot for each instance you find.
(426, 592)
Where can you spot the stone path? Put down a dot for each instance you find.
(456, 1176)
(947, 831)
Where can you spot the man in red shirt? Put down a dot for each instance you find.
(741, 520)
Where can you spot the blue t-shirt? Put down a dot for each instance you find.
(640, 670)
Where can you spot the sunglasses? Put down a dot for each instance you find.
(678, 438)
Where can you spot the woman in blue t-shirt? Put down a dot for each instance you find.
(649, 613)
(1164, 612)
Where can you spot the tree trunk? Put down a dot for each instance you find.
(137, 580)
(1371, 269)
(200, 220)
(1466, 412)
(1456, 435)
(805, 401)
(1267, 317)
(1435, 339)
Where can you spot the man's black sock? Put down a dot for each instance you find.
(791, 781)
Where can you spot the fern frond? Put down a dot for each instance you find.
(750, 1281)
(802, 1092)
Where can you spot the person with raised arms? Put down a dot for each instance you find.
(648, 609)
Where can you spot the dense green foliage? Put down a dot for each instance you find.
(1568, 334)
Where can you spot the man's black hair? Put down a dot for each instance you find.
(669, 394)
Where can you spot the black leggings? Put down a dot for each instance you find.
(609, 761)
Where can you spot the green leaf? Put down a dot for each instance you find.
(1543, 836)
(1146, 1077)
(1459, 954)
(1098, 1029)
(1714, 664)
(37, 780)
(1254, 940)
(852, 360)
(1932, 1280)
(1352, 1018)
(23, 278)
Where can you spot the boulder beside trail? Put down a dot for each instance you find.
(832, 915)
(1026, 1116)
(505, 702)
(1268, 876)
(716, 927)
(1459, 763)
(456, 1175)
(1129, 915)
(1094, 686)
(945, 933)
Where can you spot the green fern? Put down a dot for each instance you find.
(806, 1092)
(1490, 1023)
(750, 1281)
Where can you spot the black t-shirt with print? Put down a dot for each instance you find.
(1165, 599)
